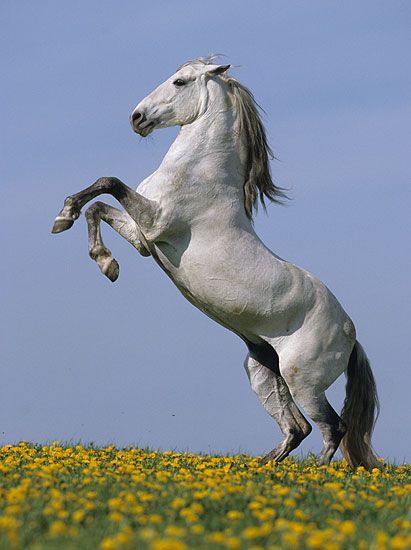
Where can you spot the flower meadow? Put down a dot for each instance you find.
(84, 497)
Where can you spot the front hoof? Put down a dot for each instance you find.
(111, 269)
(62, 224)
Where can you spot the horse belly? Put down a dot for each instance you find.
(248, 302)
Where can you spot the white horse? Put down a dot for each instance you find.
(193, 215)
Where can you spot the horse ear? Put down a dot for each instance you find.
(219, 69)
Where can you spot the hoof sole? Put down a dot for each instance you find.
(62, 224)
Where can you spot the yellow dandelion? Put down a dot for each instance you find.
(57, 528)
(168, 544)
(109, 543)
(234, 515)
(232, 543)
(291, 540)
(177, 503)
(175, 531)
(115, 516)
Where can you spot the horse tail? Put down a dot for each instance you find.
(360, 411)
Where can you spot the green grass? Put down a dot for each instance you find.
(88, 498)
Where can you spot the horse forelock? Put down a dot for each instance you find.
(199, 61)
(258, 183)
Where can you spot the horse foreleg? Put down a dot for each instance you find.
(273, 393)
(122, 223)
(141, 209)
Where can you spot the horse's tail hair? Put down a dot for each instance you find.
(360, 411)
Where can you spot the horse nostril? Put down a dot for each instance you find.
(137, 117)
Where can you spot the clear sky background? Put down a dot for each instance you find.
(133, 362)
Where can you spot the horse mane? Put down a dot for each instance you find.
(258, 183)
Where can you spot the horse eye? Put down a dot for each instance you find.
(178, 82)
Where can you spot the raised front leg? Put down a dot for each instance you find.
(142, 210)
(123, 224)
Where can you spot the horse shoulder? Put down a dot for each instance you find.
(156, 188)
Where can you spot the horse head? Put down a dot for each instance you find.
(178, 101)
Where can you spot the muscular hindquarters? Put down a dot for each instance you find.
(314, 356)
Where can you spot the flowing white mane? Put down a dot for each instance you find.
(258, 183)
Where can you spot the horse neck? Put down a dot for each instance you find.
(208, 146)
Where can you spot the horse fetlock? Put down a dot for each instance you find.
(292, 438)
(99, 252)
(295, 435)
(306, 429)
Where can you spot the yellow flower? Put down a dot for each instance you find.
(175, 531)
(264, 515)
(347, 527)
(115, 503)
(232, 543)
(189, 515)
(155, 518)
(197, 508)
(291, 540)
(399, 542)
(7, 522)
(109, 543)
(147, 533)
(168, 544)
(177, 503)
(333, 486)
(300, 514)
(197, 529)
(289, 502)
(13, 509)
(57, 528)
(217, 536)
(234, 515)
(115, 516)
(124, 536)
(318, 538)
(251, 533)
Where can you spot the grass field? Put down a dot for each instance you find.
(106, 498)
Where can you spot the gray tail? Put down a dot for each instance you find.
(360, 411)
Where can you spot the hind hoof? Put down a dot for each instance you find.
(62, 224)
(111, 269)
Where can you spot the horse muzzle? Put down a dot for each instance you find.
(140, 123)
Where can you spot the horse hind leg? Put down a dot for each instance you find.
(332, 429)
(331, 426)
(271, 389)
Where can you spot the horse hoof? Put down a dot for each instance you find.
(111, 269)
(62, 224)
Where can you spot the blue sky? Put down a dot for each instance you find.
(133, 362)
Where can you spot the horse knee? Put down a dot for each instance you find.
(93, 210)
